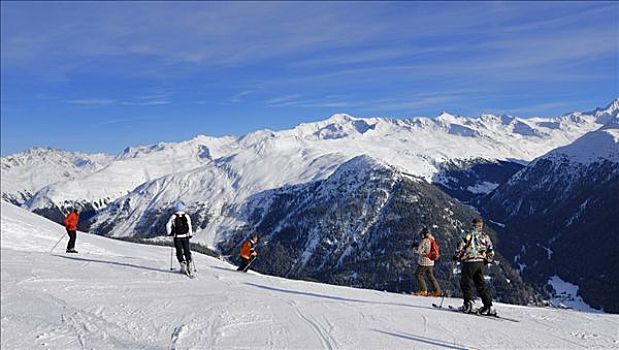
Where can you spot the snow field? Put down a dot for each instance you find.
(119, 295)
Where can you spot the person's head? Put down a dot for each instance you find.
(179, 206)
(254, 237)
(478, 223)
(424, 232)
(75, 211)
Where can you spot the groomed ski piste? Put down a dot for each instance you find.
(120, 295)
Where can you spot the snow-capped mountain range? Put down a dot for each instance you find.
(225, 171)
(26, 173)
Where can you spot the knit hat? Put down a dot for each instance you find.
(179, 206)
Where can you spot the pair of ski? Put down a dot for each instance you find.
(246, 268)
(492, 317)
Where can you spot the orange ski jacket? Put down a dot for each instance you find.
(248, 250)
(70, 222)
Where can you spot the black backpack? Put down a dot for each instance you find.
(181, 226)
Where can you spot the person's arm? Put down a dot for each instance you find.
(424, 247)
(189, 224)
(462, 247)
(489, 249)
(168, 226)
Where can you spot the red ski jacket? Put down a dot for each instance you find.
(70, 222)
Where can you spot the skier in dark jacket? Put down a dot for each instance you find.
(179, 226)
(248, 253)
(474, 251)
(70, 224)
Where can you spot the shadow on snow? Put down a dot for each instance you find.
(417, 338)
(113, 263)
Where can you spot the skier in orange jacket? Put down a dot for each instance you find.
(248, 253)
(70, 224)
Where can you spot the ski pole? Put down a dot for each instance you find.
(449, 286)
(57, 243)
(452, 277)
(171, 252)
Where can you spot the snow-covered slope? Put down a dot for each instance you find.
(118, 295)
(25, 173)
(599, 145)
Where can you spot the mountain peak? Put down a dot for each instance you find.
(448, 118)
(341, 118)
(612, 108)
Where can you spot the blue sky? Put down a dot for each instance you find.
(97, 77)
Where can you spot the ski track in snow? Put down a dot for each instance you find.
(324, 336)
(119, 295)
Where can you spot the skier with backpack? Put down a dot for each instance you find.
(70, 224)
(248, 253)
(179, 226)
(428, 253)
(474, 251)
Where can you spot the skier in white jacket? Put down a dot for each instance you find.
(180, 227)
(426, 266)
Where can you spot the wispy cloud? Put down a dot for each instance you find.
(92, 101)
(282, 101)
(240, 96)
(145, 103)
(541, 109)
(151, 99)
(409, 102)
(154, 98)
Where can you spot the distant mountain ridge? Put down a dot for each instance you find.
(24, 174)
(311, 151)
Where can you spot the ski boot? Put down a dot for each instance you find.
(467, 307)
(190, 269)
(72, 251)
(487, 311)
(183, 267)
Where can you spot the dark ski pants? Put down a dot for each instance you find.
(245, 264)
(72, 237)
(182, 249)
(421, 272)
(473, 272)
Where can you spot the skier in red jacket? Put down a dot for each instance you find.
(70, 223)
